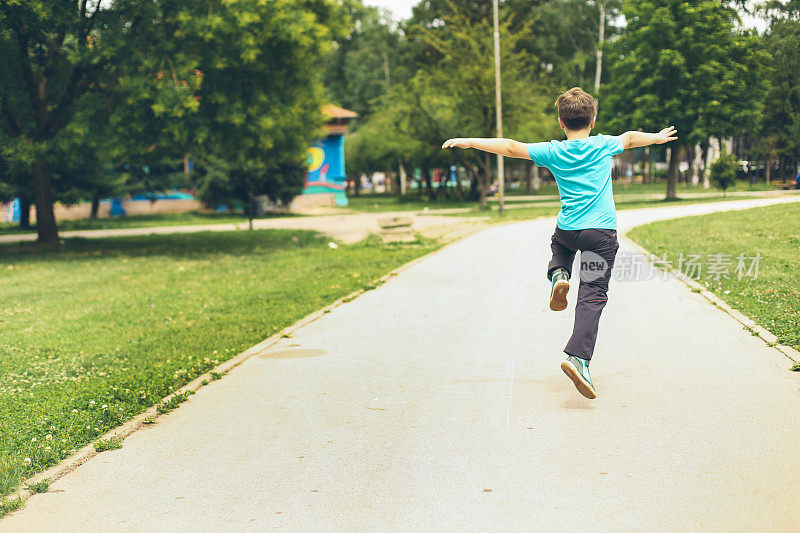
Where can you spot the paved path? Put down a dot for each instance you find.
(347, 228)
(436, 402)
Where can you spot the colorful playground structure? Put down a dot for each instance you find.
(325, 159)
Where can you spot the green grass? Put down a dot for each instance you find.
(104, 445)
(101, 329)
(772, 299)
(374, 203)
(40, 487)
(381, 202)
(551, 208)
(141, 221)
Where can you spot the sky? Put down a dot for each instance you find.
(400, 8)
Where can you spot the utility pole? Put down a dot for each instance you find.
(499, 100)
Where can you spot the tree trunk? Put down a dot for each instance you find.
(388, 182)
(24, 212)
(483, 180)
(768, 168)
(43, 196)
(693, 165)
(672, 172)
(402, 179)
(95, 207)
(250, 206)
(528, 178)
(472, 176)
(426, 175)
(537, 178)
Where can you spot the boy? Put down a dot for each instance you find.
(587, 220)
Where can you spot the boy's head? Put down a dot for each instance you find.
(576, 109)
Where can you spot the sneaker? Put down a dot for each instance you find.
(558, 292)
(577, 370)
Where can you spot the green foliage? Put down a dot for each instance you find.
(723, 170)
(366, 61)
(261, 95)
(566, 36)
(451, 93)
(91, 86)
(681, 63)
(172, 402)
(40, 487)
(62, 64)
(780, 134)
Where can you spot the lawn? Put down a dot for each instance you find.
(772, 298)
(379, 202)
(100, 330)
(141, 221)
(550, 208)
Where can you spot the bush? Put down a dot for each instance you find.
(723, 170)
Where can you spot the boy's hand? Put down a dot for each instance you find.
(637, 139)
(456, 143)
(666, 135)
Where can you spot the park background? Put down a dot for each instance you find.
(218, 101)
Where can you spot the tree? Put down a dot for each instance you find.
(566, 37)
(261, 96)
(365, 61)
(780, 132)
(55, 54)
(455, 95)
(683, 64)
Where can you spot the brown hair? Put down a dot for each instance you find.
(576, 108)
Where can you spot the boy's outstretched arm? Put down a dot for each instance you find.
(635, 139)
(504, 147)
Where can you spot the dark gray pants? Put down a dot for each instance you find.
(598, 249)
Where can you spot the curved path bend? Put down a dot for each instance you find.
(436, 402)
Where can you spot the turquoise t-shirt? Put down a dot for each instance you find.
(582, 168)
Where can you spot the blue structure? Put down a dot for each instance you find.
(325, 159)
(116, 208)
(14, 210)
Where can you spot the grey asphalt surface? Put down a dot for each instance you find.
(436, 402)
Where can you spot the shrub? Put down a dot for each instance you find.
(723, 170)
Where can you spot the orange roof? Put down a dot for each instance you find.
(337, 112)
